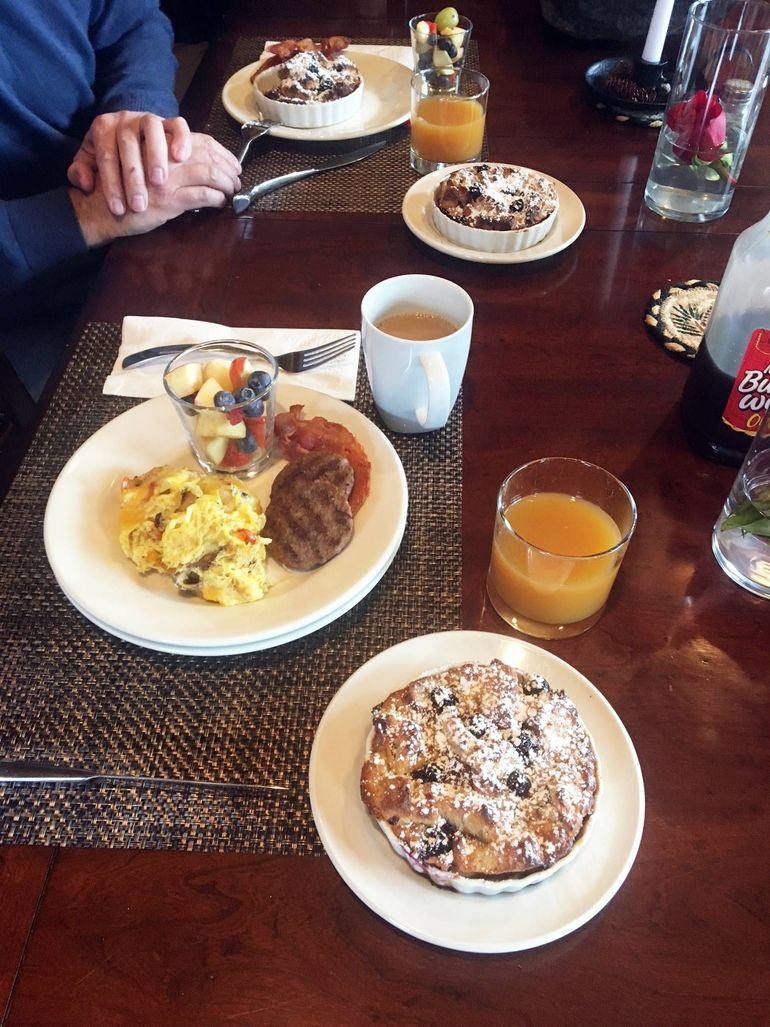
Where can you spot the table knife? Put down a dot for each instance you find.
(24, 771)
(243, 200)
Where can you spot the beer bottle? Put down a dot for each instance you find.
(728, 388)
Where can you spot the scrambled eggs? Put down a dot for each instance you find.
(201, 529)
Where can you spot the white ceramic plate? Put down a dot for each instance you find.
(82, 543)
(385, 102)
(234, 650)
(417, 213)
(472, 923)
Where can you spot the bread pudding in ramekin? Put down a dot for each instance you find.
(495, 208)
(310, 90)
(482, 777)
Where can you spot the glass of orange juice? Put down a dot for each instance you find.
(448, 116)
(562, 527)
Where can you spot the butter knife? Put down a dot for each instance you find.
(24, 771)
(243, 200)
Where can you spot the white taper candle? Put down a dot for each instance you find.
(656, 35)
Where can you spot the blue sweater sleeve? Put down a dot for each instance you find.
(135, 64)
(36, 233)
(119, 57)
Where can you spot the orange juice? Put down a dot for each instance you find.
(554, 567)
(448, 129)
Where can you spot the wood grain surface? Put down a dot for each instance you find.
(560, 364)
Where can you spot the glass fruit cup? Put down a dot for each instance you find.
(224, 393)
(562, 527)
(440, 42)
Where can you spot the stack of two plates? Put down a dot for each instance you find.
(81, 540)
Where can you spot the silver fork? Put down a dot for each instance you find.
(307, 359)
(251, 130)
(295, 362)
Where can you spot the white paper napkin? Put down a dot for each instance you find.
(336, 378)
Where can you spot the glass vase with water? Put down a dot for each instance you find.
(716, 95)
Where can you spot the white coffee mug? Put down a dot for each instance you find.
(415, 383)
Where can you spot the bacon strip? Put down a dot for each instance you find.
(330, 46)
(298, 435)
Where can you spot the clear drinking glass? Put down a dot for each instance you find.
(233, 435)
(448, 117)
(741, 536)
(716, 95)
(562, 528)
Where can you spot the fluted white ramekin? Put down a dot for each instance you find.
(490, 240)
(304, 115)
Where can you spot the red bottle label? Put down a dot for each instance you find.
(750, 394)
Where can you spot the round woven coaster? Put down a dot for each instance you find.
(677, 315)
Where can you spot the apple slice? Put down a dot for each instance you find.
(210, 424)
(422, 31)
(185, 379)
(204, 397)
(216, 448)
(442, 62)
(240, 369)
(218, 368)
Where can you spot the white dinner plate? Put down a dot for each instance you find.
(385, 103)
(472, 923)
(81, 539)
(416, 211)
(233, 650)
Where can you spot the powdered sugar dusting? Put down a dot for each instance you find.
(496, 197)
(309, 77)
(480, 770)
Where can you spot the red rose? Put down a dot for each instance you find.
(699, 126)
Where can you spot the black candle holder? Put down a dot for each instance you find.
(629, 89)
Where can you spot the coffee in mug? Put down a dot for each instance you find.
(416, 333)
(419, 325)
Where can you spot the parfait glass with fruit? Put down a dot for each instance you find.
(224, 393)
(440, 41)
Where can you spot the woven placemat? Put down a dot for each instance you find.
(72, 693)
(376, 185)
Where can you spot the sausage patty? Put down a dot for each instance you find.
(309, 518)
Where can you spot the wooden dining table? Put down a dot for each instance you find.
(561, 363)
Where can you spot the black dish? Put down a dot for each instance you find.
(624, 109)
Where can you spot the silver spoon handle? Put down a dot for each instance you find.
(23, 771)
